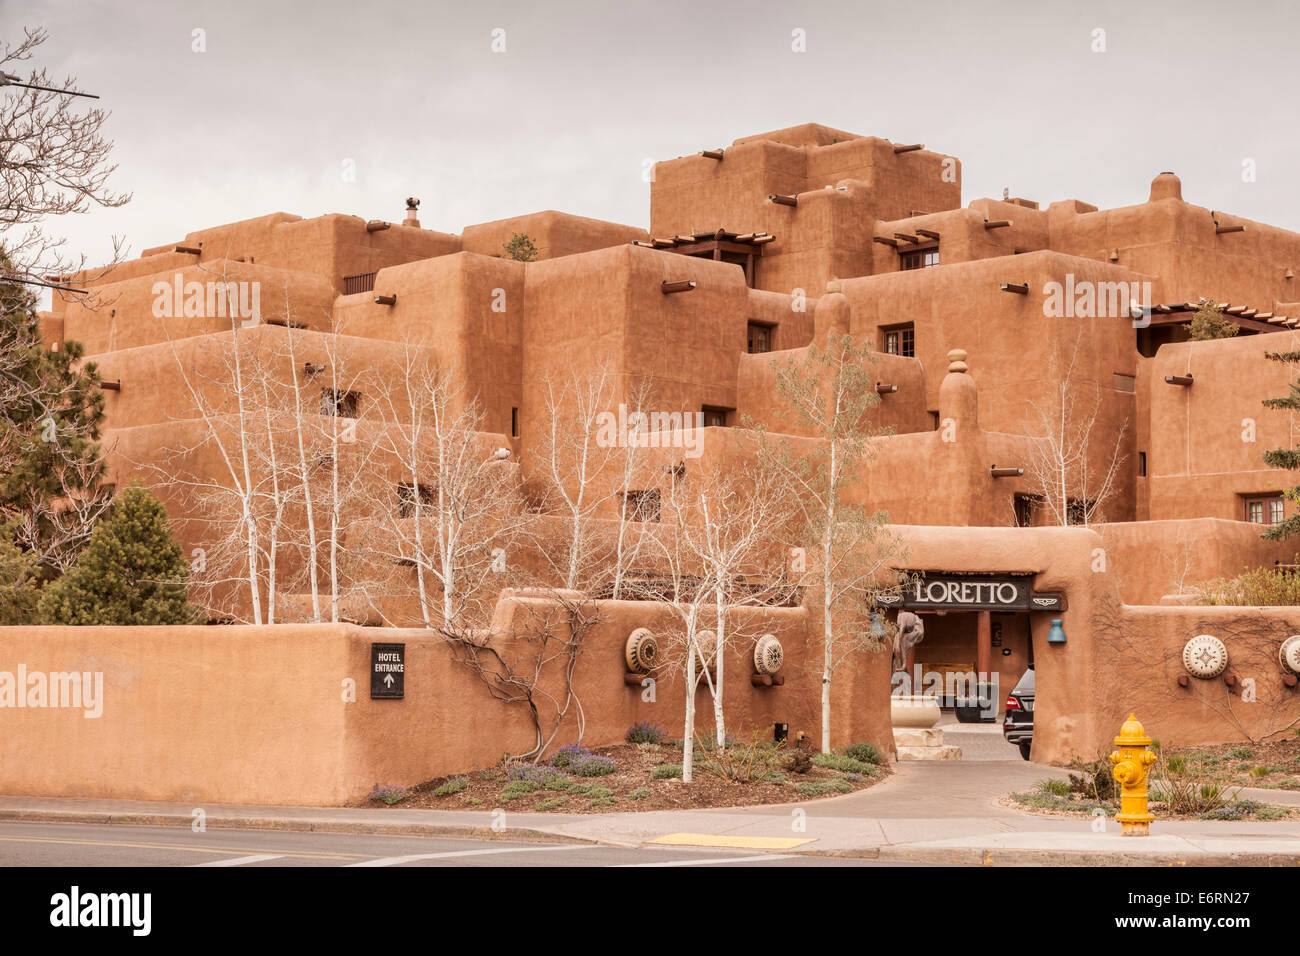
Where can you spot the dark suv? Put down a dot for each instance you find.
(1018, 720)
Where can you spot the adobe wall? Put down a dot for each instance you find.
(257, 715)
(554, 234)
(1119, 658)
(1200, 454)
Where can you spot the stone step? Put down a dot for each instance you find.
(929, 753)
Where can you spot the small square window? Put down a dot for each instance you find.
(918, 259)
(642, 505)
(715, 417)
(1265, 509)
(758, 338)
(336, 401)
(900, 340)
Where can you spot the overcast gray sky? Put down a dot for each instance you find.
(412, 93)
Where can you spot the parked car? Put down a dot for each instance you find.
(1018, 719)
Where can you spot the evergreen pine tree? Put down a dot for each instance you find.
(132, 572)
(1286, 458)
(50, 414)
(18, 591)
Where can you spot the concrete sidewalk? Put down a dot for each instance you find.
(937, 813)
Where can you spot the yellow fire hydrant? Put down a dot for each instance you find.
(1131, 762)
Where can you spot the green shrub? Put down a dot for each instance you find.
(864, 753)
(518, 788)
(665, 771)
(1265, 587)
(601, 796)
(640, 793)
(844, 764)
(551, 803)
(1260, 771)
(1241, 753)
(818, 788)
(1054, 786)
(454, 785)
(738, 763)
(1183, 785)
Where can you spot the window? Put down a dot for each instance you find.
(1265, 509)
(1079, 510)
(1142, 464)
(406, 497)
(642, 505)
(758, 338)
(900, 340)
(1024, 507)
(715, 417)
(514, 422)
(918, 259)
(336, 401)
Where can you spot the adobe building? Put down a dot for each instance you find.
(984, 318)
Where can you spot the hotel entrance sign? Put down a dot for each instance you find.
(387, 671)
(973, 592)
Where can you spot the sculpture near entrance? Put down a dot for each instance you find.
(910, 632)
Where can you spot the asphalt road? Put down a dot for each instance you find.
(92, 845)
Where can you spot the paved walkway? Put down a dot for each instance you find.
(935, 812)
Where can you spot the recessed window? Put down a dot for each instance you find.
(642, 505)
(1142, 464)
(336, 401)
(1122, 382)
(1079, 510)
(758, 338)
(1025, 507)
(918, 259)
(407, 495)
(514, 423)
(899, 340)
(715, 417)
(1265, 509)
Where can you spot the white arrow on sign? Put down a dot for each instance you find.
(389, 680)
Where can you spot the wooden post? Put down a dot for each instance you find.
(984, 646)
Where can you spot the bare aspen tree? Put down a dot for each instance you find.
(732, 527)
(829, 394)
(1062, 464)
(54, 161)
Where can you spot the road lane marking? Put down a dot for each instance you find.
(730, 842)
(396, 860)
(223, 851)
(719, 859)
(242, 860)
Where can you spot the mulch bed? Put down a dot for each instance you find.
(631, 786)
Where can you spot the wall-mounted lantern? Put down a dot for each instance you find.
(1056, 634)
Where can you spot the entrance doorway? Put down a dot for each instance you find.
(972, 659)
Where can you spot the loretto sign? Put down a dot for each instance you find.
(973, 592)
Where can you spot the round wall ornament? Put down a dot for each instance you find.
(1205, 656)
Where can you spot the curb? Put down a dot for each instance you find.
(989, 856)
(212, 821)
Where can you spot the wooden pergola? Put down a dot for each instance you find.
(1246, 318)
(716, 245)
